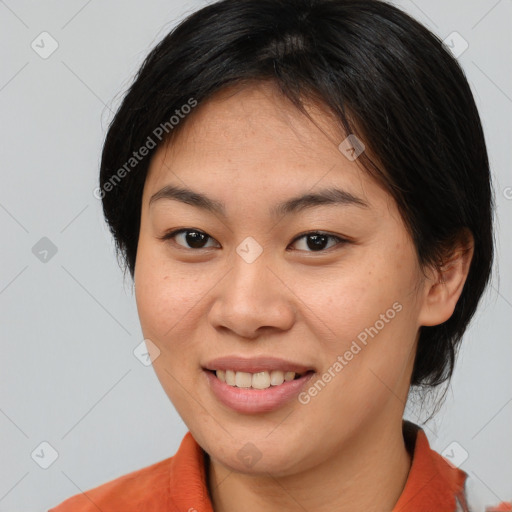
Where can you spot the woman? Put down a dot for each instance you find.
(300, 190)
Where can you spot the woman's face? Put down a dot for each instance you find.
(247, 286)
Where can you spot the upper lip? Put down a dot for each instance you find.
(255, 364)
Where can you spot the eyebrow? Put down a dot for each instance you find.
(328, 196)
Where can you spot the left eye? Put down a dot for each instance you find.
(317, 241)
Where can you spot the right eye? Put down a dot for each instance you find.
(195, 238)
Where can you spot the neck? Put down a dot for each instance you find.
(368, 474)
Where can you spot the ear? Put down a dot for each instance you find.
(443, 285)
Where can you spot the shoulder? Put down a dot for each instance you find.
(146, 489)
(171, 484)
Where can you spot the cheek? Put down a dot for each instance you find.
(168, 304)
(352, 298)
(368, 315)
(167, 295)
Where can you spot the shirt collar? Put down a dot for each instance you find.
(188, 489)
(433, 483)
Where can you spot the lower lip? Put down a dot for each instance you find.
(250, 401)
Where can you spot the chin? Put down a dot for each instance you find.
(257, 453)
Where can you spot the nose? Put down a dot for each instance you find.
(253, 299)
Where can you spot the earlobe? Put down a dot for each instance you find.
(444, 285)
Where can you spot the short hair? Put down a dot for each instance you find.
(385, 77)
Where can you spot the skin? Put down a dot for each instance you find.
(250, 149)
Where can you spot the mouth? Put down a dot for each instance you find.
(256, 385)
(257, 380)
(257, 392)
(260, 372)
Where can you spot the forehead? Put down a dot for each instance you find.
(255, 118)
(254, 138)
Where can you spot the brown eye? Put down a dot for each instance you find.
(316, 241)
(189, 238)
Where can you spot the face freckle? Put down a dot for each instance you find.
(290, 302)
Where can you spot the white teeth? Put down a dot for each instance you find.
(230, 377)
(276, 377)
(259, 380)
(243, 380)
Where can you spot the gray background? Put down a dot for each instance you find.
(68, 322)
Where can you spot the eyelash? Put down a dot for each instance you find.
(340, 241)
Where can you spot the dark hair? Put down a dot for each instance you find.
(386, 79)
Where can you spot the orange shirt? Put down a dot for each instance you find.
(179, 483)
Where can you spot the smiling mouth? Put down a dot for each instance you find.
(258, 380)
